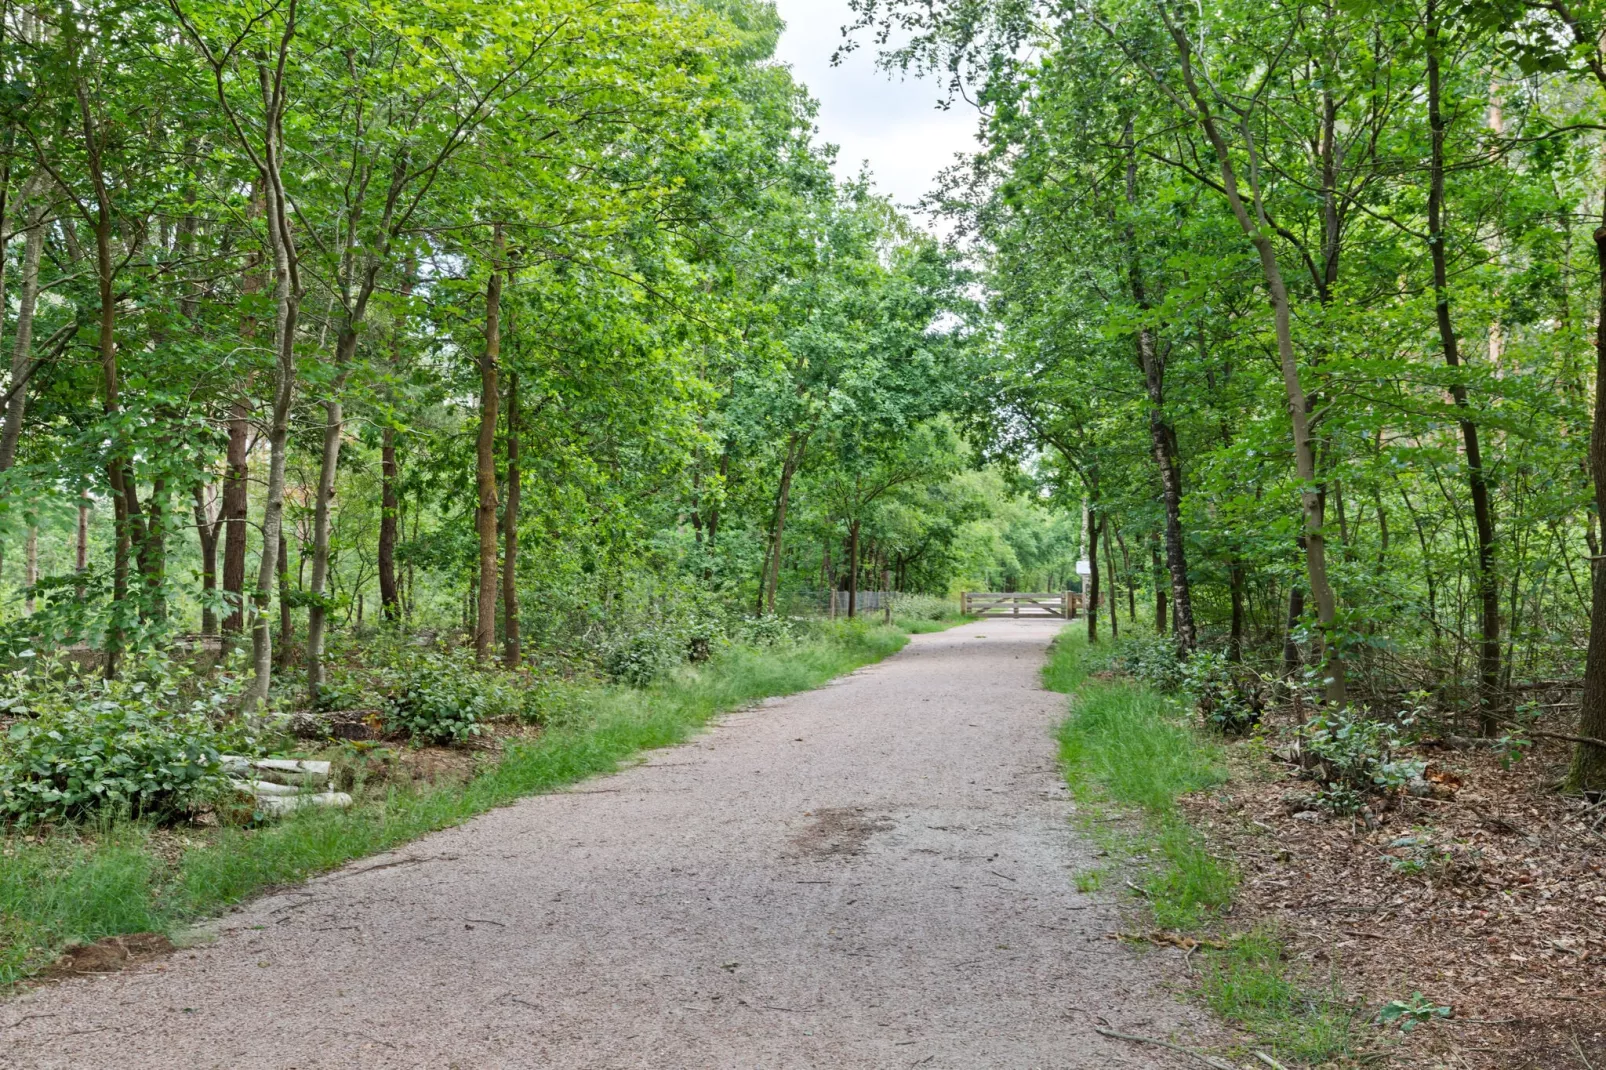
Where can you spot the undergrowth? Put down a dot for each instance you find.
(120, 877)
(1129, 753)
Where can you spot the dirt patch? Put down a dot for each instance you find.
(1488, 896)
(108, 956)
(838, 832)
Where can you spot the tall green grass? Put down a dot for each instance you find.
(1130, 751)
(85, 884)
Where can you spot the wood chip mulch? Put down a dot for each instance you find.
(1488, 898)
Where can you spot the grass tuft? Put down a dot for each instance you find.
(1127, 748)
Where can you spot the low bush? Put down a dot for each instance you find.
(922, 607)
(444, 698)
(1352, 756)
(641, 657)
(111, 747)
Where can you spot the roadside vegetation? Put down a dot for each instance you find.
(118, 875)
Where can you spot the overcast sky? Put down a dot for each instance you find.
(891, 123)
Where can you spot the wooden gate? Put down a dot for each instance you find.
(1060, 604)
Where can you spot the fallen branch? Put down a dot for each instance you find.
(1208, 1060)
(1589, 740)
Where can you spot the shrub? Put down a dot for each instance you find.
(443, 698)
(111, 747)
(1150, 659)
(642, 657)
(768, 630)
(1352, 755)
(922, 607)
(1208, 679)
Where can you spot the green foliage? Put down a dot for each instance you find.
(443, 697)
(641, 657)
(56, 890)
(126, 747)
(1410, 1013)
(922, 607)
(1352, 756)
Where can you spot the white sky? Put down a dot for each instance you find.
(875, 117)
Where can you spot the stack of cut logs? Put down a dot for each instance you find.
(281, 785)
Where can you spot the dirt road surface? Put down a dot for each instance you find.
(877, 874)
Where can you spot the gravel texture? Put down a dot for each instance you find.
(874, 874)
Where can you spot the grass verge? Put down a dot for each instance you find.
(1129, 754)
(71, 886)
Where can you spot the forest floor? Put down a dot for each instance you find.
(1459, 928)
(1488, 899)
(877, 873)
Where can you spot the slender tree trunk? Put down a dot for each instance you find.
(1296, 612)
(795, 447)
(485, 456)
(853, 569)
(1588, 771)
(512, 654)
(206, 530)
(232, 515)
(1162, 436)
(1159, 589)
(82, 557)
(1257, 229)
(1235, 638)
(22, 348)
(328, 470)
(1126, 573)
(287, 623)
(389, 600)
(1115, 592)
(1093, 526)
(286, 315)
(1482, 510)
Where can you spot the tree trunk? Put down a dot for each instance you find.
(22, 348)
(853, 569)
(1162, 436)
(328, 469)
(1115, 595)
(1159, 589)
(1482, 511)
(1235, 637)
(287, 623)
(232, 514)
(81, 560)
(206, 530)
(286, 314)
(389, 599)
(1296, 611)
(795, 447)
(1588, 771)
(1257, 229)
(512, 654)
(1093, 527)
(485, 456)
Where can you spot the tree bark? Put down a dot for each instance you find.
(1159, 589)
(232, 515)
(1093, 527)
(485, 456)
(22, 347)
(206, 530)
(1115, 592)
(328, 470)
(389, 598)
(1257, 229)
(795, 447)
(1588, 772)
(853, 569)
(512, 654)
(1482, 511)
(287, 622)
(1162, 436)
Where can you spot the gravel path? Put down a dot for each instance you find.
(875, 874)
